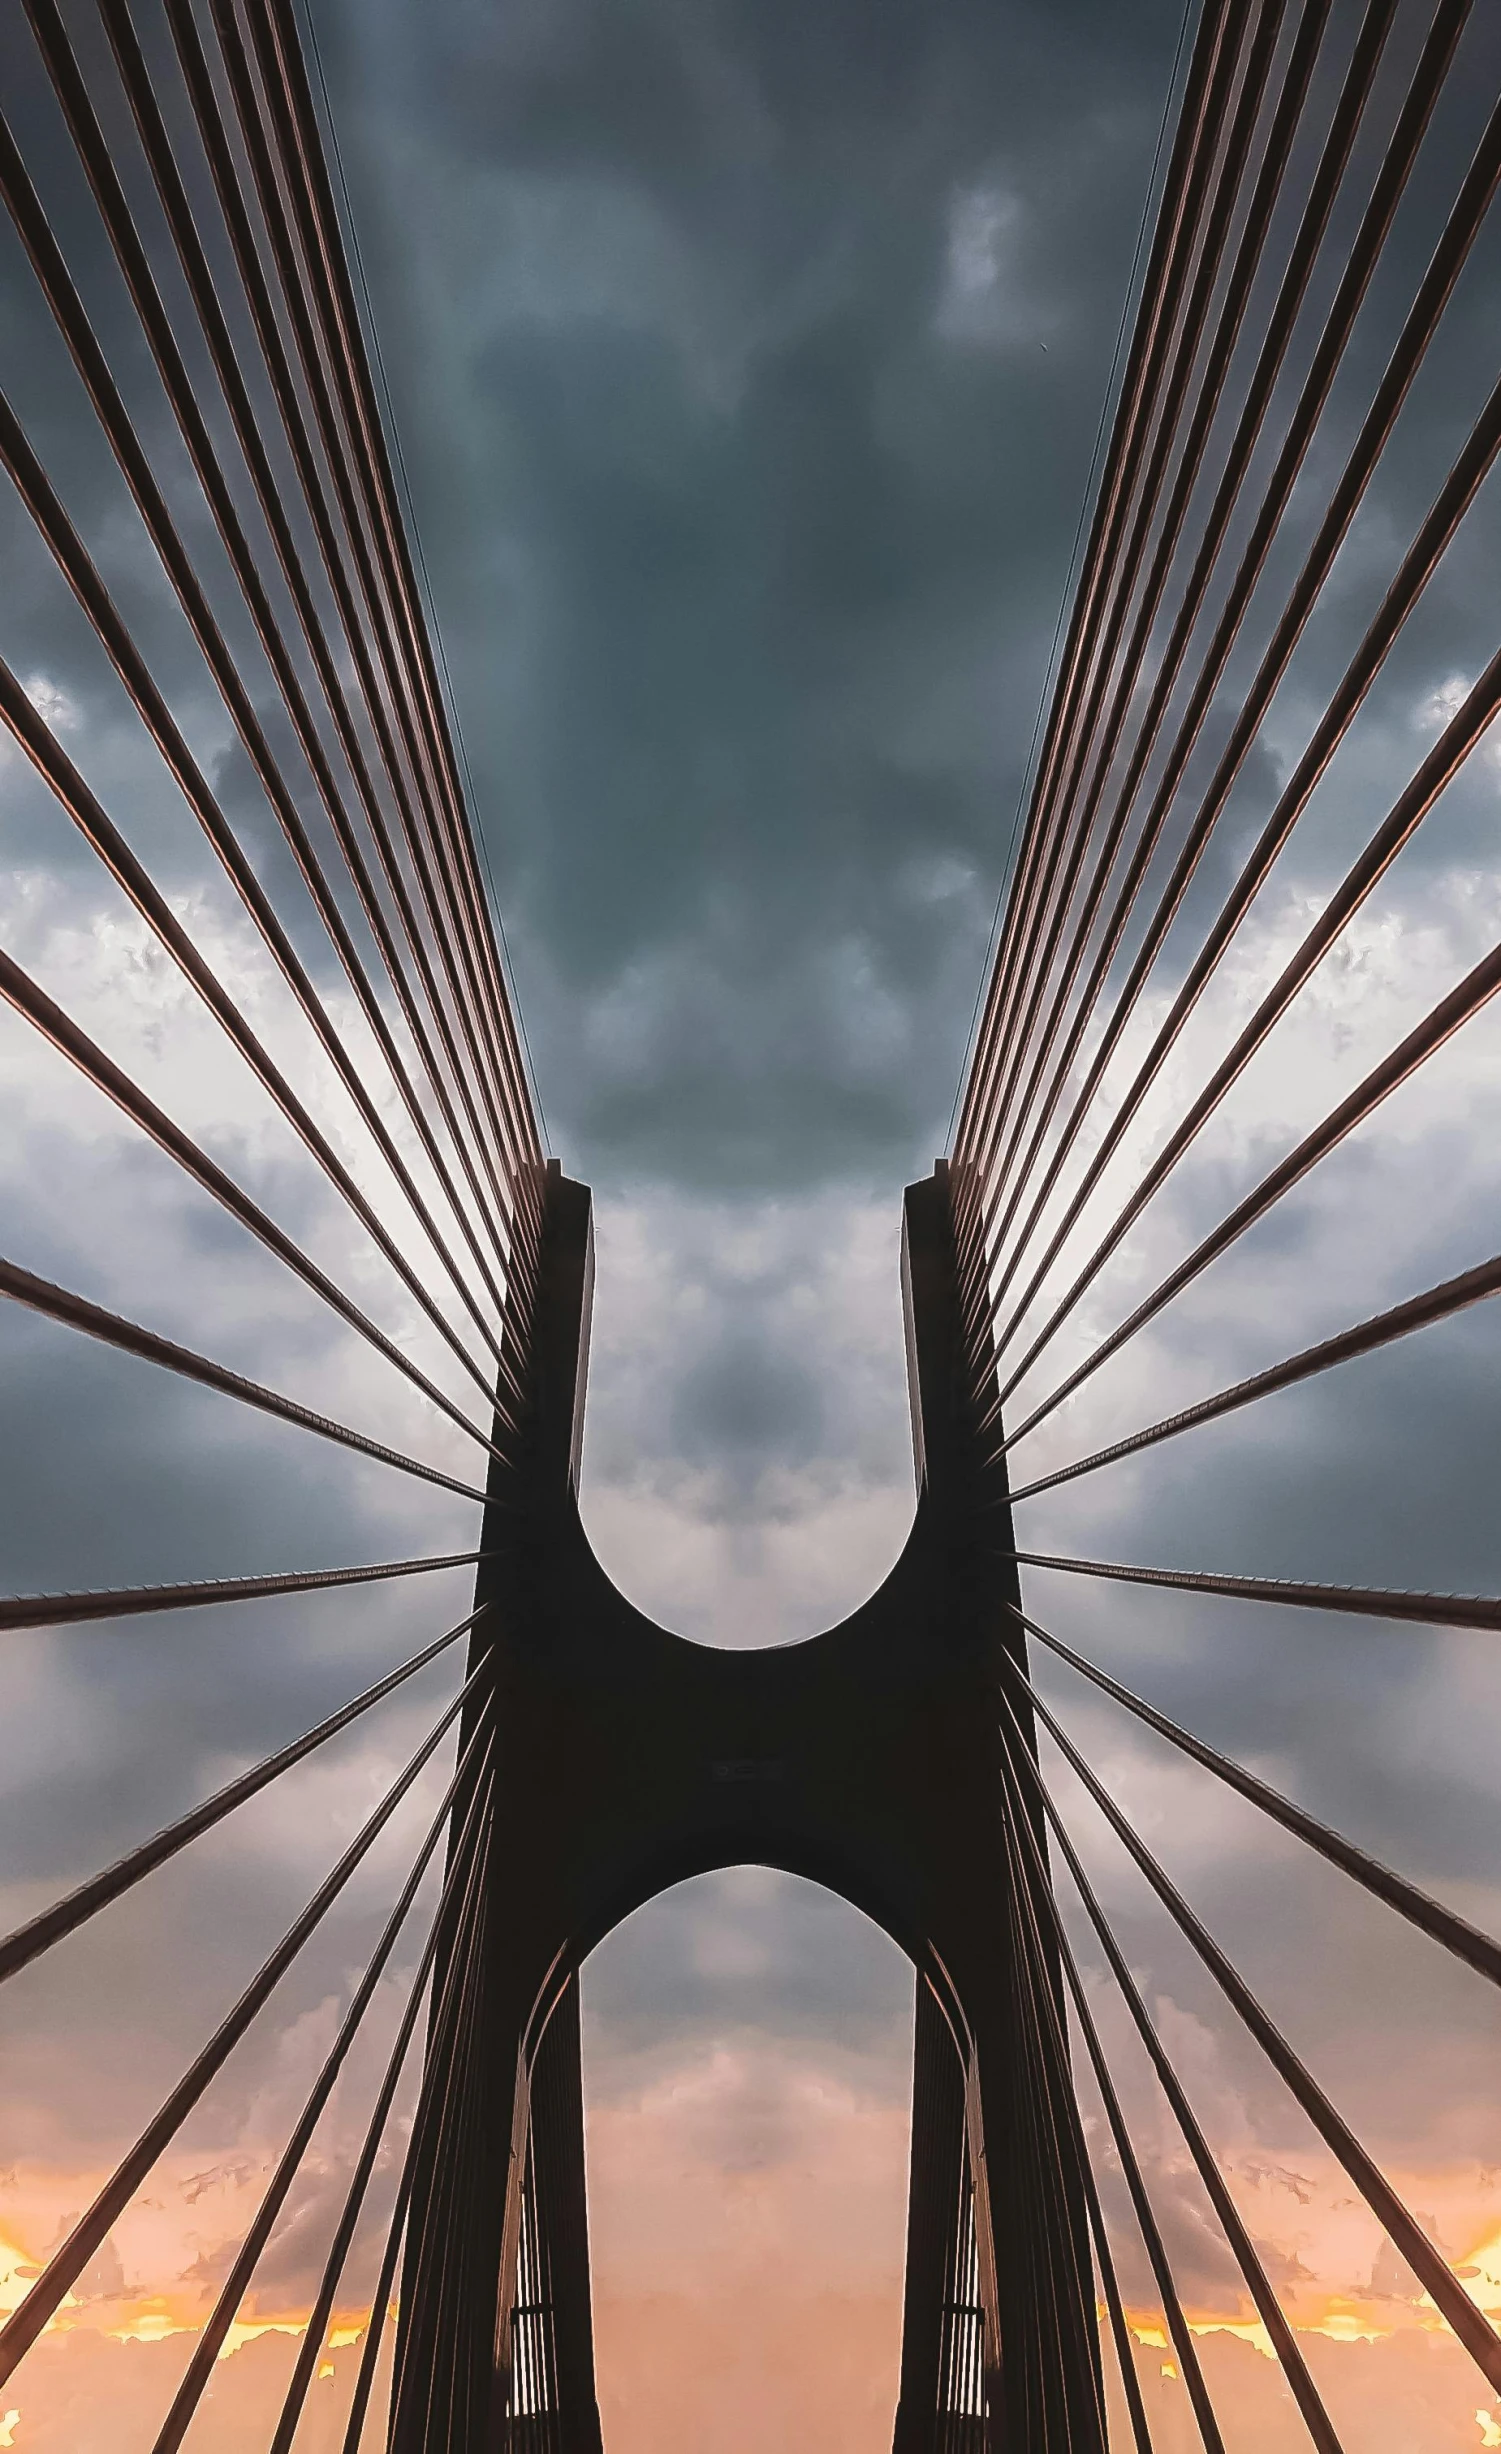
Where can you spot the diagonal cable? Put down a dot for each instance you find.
(1258, 2282)
(34, 1610)
(1202, 387)
(1367, 1337)
(470, 1856)
(71, 1041)
(1432, 778)
(50, 1926)
(210, 2342)
(1438, 2279)
(58, 771)
(1459, 235)
(1468, 1943)
(1362, 1601)
(1475, 991)
(112, 1329)
(1345, 119)
(87, 2236)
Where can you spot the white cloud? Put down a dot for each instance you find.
(1440, 705)
(986, 298)
(52, 703)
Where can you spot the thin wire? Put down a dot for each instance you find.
(87, 2235)
(82, 806)
(310, 265)
(40, 1933)
(1478, 1950)
(1468, 2322)
(1439, 1025)
(468, 1856)
(1107, 573)
(1297, 274)
(113, 1329)
(1183, 411)
(1423, 1311)
(291, 113)
(192, 63)
(414, 529)
(1362, 1601)
(329, 511)
(1263, 2292)
(72, 1042)
(1107, 407)
(36, 1610)
(449, 2034)
(1189, 2367)
(1416, 570)
(210, 2341)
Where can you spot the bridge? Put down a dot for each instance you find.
(907, 1759)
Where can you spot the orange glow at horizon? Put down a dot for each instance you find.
(740, 2307)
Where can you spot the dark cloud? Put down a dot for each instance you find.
(748, 360)
(776, 362)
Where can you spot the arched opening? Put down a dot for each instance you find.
(747, 2055)
(747, 1454)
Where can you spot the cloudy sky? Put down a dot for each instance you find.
(748, 359)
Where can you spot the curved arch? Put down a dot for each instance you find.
(869, 1759)
(663, 1722)
(747, 2066)
(815, 1561)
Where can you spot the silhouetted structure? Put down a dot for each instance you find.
(869, 1760)
(903, 1759)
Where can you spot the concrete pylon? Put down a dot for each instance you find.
(871, 1760)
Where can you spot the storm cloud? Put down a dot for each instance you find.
(748, 359)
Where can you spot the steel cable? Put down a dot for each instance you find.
(87, 2236)
(73, 323)
(1194, 396)
(79, 570)
(1479, 1951)
(1189, 2368)
(1258, 2283)
(1437, 2278)
(41, 745)
(112, 1329)
(1302, 258)
(1438, 1303)
(1221, 25)
(441, 2095)
(1363, 1601)
(471, 1851)
(326, 275)
(72, 1042)
(38, 1610)
(1417, 569)
(212, 2336)
(51, 1926)
(462, 824)
(1479, 985)
(157, 146)
(1461, 230)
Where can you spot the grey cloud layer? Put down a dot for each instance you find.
(773, 352)
(748, 361)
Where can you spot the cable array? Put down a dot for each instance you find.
(168, 185)
(166, 181)
(1259, 416)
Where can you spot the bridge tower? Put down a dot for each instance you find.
(1324, 201)
(871, 1759)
